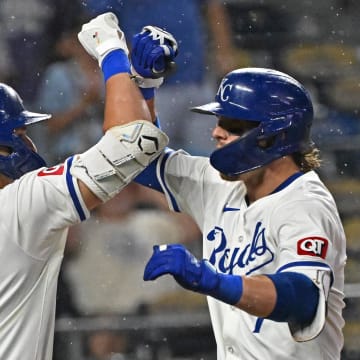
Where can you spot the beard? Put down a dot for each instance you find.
(252, 177)
(230, 177)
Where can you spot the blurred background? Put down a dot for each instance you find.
(105, 311)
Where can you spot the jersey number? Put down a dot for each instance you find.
(54, 170)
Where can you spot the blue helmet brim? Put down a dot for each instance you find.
(33, 117)
(213, 108)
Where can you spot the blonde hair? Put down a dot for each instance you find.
(309, 160)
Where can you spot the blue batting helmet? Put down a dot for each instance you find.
(13, 115)
(275, 101)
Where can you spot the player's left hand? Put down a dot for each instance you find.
(153, 53)
(189, 272)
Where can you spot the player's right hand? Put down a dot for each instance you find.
(193, 274)
(188, 271)
(102, 35)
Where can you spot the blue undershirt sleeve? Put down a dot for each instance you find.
(148, 177)
(297, 298)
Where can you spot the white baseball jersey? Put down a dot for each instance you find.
(294, 229)
(36, 211)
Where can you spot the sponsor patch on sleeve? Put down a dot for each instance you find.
(313, 246)
(54, 170)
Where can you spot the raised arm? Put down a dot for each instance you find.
(152, 57)
(222, 37)
(131, 141)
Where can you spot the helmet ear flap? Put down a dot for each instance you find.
(268, 142)
(21, 160)
(13, 115)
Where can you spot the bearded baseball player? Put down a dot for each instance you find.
(273, 243)
(40, 203)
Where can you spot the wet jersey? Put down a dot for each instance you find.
(297, 228)
(35, 213)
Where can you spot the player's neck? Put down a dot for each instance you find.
(270, 177)
(4, 180)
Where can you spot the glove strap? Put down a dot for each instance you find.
(147, 93)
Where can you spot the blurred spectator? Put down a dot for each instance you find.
(205, 53)
(120, 237)
(5, 61)
(72, 90)
(106, 345)
(259, 24)
(28, 29)
(335, 133)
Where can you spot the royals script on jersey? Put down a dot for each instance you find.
(36, 211)
(295, 229)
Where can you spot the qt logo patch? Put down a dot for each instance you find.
(313, 246)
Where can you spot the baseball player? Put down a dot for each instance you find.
(39, 203)
(273, 243)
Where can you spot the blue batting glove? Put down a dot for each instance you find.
(193, 274)
(153, 52)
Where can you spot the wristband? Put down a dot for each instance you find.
(115, 62)
(147, 93)
(229, 289)
(157, 122)
(225, 287)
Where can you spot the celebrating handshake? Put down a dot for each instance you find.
(152, 56)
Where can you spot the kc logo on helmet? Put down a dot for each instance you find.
(223, 89)
(313, 246)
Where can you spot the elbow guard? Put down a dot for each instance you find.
(120, 155)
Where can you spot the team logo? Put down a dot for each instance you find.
(96, 37)
(224, 89)
(150, 143)
(54, 170)
(251, 256)
(313, 246)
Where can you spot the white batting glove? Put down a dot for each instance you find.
(102, 35)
